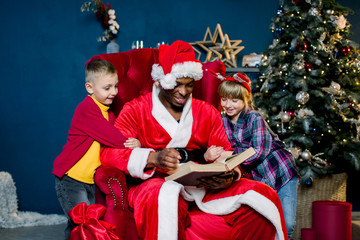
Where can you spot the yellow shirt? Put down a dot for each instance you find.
(85, 168)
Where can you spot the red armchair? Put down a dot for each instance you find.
(134, 72)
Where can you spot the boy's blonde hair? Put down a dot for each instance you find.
(97, 68)
(231, 89)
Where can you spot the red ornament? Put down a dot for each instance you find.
(345, 50)
(296, 2)
(301, 46)
(308, 66)
(292, 114)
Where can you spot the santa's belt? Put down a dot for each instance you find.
(195, 155)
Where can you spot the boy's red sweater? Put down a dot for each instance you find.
(87, 125)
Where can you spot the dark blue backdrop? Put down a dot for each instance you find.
(45, 44)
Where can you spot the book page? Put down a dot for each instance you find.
(239, 158)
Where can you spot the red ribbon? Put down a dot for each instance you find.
(237, 77)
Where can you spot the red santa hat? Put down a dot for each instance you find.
(176, 61)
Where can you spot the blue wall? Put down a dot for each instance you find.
(45, 44)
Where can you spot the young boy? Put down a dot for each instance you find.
(91, 127)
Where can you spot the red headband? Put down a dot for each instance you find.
(238, 77)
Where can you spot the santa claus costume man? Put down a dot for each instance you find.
(168, 118)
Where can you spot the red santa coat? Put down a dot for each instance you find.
(200, 127)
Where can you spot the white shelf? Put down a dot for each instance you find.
(244, 70)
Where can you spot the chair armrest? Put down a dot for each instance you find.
(112, 183)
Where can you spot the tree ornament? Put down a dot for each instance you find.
(296, 2)
(308, 66)
(314, 11)
(302, 97)
(285, 117)
(285, 67)
(338, 21)
(309, 182)
(306, 155)
(292, 114)
(295, 151)
(345, 50)
(298, 64)
(304, 112)
(274, 109)
(334, 89)
(301, 46)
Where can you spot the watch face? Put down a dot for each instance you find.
(184, 155)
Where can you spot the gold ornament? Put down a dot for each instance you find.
(334, 88)
(302, 97)
(285, 117)
(295, 151)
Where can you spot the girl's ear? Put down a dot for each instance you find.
(89, 88)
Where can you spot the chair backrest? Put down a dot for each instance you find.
(134, 72)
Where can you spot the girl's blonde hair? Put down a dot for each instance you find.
(231, 89)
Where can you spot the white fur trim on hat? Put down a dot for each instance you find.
(179, 70)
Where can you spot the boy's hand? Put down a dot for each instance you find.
(213, 153)
(132, 143)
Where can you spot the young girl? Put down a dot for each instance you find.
(272, 164)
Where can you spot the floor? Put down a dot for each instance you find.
(356, 226)
(56, 232)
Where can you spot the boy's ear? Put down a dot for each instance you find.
(89, 88)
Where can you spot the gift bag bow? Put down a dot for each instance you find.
(89, 223)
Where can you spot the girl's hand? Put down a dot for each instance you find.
(213, 153)
(132, 143)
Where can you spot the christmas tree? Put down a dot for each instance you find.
(309, 88)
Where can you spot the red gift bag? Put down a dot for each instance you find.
(90, 227)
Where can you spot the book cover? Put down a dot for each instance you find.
(189, 172)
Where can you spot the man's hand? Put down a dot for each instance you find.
(217, 182)
(167, 159)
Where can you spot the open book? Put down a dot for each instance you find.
(189, 172)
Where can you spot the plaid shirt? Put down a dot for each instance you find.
(272, 164)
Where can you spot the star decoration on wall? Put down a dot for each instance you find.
(218, 46)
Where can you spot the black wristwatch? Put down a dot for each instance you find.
(184, 154)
